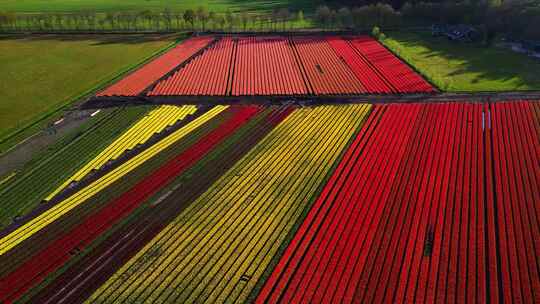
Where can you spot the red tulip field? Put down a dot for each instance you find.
(274, 65)
(428, 230)
(358, 201)
(136, 82)
(266, 66)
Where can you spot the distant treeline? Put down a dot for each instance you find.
(520, 19)
(167, 20)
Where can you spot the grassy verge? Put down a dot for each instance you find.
(460, 67)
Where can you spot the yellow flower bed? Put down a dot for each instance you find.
(217, 249)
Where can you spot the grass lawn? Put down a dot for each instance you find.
(35, 6)
(42, 74)
(466, 67)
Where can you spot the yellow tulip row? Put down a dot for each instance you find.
(27, 230)
(217, 249)
(139, 133)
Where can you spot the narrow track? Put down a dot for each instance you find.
(494, 97)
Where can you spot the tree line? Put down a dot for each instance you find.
(200, 19)
(520, 19)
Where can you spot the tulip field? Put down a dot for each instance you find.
(135, 83)
(426, 231)
(364, 202)
(273, 65)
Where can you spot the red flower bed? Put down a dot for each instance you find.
(58, 252)
(431, 203)
(207, 74)
(516, 157)
(326, 72)
(248, 66)
(372, 80)
(136, 82)
(266, 66)
(400, 76)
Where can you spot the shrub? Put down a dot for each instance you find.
(376, 32)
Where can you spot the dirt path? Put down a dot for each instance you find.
(105, 102)
(15, 158)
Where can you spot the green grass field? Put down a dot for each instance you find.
(35, 6)
(460, 67)
(40, 75)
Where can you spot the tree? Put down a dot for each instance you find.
(212, 19)
(229, 17)
(7, 20)
(90, 19)
(156, 21)
(189, 17)
(202, 15)
(111, 19)
(58, 21)
(178, 16)
(3, 20)
(323, 15)
(284, 15)
(101, 23)
(333, 18)
(345, 17)
(221, 21)
(146, 17)
(258, 20)
(167, 17)
(244, 18)
(274, 17)
(300, 18)
(376, 32)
